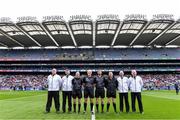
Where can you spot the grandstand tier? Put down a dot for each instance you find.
(43, 60)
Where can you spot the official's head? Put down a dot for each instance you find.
(121, 73)
(67, 71)
(133, 73)
(99, 72)
(89, 73)
(110, 74)
(77, 74)
(54, 71)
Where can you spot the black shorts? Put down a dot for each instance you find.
(77, 94)
(89, 92)
(100, 93)
(111, 94)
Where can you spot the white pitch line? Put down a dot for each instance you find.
(172, 97)
(93, 117)
(20, 97)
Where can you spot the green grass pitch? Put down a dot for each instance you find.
(31, 105)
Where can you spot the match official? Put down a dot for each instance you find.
(67, 90)
(54, 83)
(136, 85)
(111, 86)
(123, 87)
(99, 92)
(77, 91)
(88, 83)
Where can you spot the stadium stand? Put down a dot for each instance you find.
(30, 47)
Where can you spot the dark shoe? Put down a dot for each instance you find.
(142, 113)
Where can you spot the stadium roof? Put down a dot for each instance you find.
(81, 30)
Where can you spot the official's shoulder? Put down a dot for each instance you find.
(125, 77)
(58, 75)
(49, 76)
(71, 77)
(139, 77)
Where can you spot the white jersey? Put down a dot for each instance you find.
(136, 84)
(123, 84)
(54, 82)
(67, 83)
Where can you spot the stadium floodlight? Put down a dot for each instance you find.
(172, 46)
(68, 47)
(5, 20)
(80, 17)
(108, 17)
(27, 19)
(103, 46)
(34, 47)
(3, 47)
(51, 47)
(135, 17)
(163, 17)
(17, 47)
(53, 18)
(120, 46)
(158, 46)
(138, 46)
(84, 47)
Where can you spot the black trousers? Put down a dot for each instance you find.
(67, 94)
(55, 95)
(123, 97)
(177, 91)
(137, 95)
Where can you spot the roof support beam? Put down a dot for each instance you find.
(28, 35)
(71, 34)
(94, 34)
(116, 34)
(173, 40)
(141, 31)
(11, 38)
(161, 33)
(3, 44)
(49, 35)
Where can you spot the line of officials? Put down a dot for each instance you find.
(72, 87)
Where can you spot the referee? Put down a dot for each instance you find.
(136, 85)
(111, 86)
(99, 92)
(123, 86)
(88, 83)
(54, 84)
(77, 91)
(67, 90)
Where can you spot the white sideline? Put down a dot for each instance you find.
(93, 117)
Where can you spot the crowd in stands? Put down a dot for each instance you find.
(89, 54)
(160, 81)
(23, 82)
(39, 82)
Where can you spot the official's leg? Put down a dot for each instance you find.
(126, 102)
(56, 100)
(64, 101)
(121, 102)
(69, 101)
(140, 102)
(133, 100)
(49, 101)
